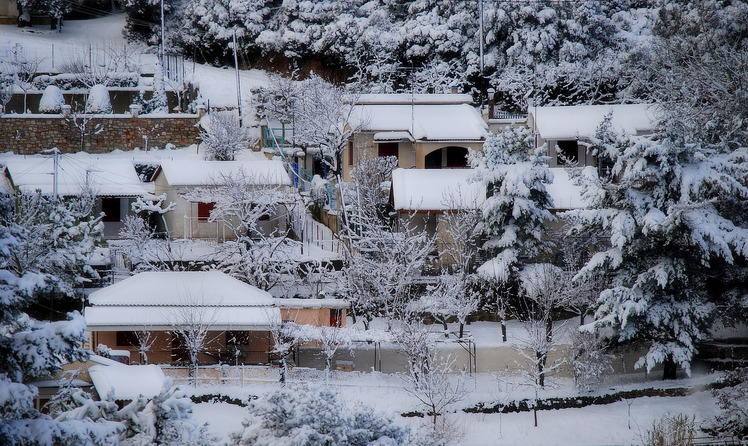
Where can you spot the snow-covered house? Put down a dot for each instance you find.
(191, 184)
(425, 131)
(113, 182)
(422, 197)
(150, 306)
(237, 316)
(568, 130)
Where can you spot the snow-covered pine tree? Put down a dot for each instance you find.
(672, 239)
(31, 348)
(515, 213)
(59, 236)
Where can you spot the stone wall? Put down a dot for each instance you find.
(28, 134)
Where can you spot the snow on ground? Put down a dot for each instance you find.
(592, 425)
(222, 418)
(96, 38)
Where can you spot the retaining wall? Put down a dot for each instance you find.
(29, 134)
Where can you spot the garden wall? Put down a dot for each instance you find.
(29, 134)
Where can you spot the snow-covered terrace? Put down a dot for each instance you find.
(159, 299)
(76, 174)
(213, 173)
(582, 121)
(438, 190)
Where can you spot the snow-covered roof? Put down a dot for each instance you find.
(564, 193)
(407, 98)
(159, 299)
(127, 382)
(393, 136)
(436, 189)
(581, 121)
(422, 122)
(290, 303)
(214, 173)
(76, 173)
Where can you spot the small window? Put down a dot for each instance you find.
(388, 149)
(111, 209)
(568, 150)
(204, 210)
(350, 153)
(127, 338)
(336, 317)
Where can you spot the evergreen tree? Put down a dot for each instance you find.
(515, 213)
(674, 244)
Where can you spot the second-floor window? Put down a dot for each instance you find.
(388, 149)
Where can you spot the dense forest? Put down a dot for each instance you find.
(555, 52)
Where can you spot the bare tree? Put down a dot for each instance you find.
(82, 123)
(535, 350)
(223, 137)
(145, 340)
(324, 118)
(22, 70)
(245, 205)
(544, 291)
(431, 379)
(191, 325)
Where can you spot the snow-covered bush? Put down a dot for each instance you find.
(589, 360)
(222, 136)
(733, 403)
(98, 100)
(52, 100)
(315, 416)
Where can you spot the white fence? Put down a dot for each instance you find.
(314, 233)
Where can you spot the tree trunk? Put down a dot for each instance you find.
(503, 331)
(446, 329)
(542, 357)
(462, 327)
(669, 368)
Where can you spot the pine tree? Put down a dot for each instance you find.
(515, 213)
(31, 348)
(673, 240)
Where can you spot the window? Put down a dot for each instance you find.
(111, 209)
(127, 338)
(388, 149)
(336, 317)
(350, 153)
(204, 210)
(237, 337)
(568, 150)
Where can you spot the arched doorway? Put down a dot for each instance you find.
(451, 157)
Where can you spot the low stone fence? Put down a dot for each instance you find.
(29, 134)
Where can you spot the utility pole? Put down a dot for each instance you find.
(238, 81)
(480, 13)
